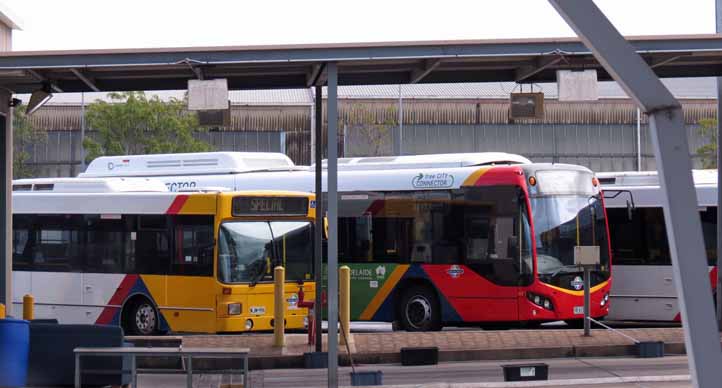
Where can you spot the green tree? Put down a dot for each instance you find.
(25, 135)
(132, 124)
(708, 152)
(373, 128)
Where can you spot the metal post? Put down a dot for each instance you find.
(77, 370)
(398, 139)
(332, 189)
(587, 301)
(639, 140)
(82, 131)
(718, 299)
(671, 151)
(279, 307)
(318, 235)
(6, 177)
(344, 304)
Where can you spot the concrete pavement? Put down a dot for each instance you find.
(380, 348)
(667, 372)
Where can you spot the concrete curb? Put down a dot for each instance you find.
(555, 383)
(296, 361)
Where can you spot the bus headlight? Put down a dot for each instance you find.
(234, 309)
(540, 301)
(249, 324)
(605, 300)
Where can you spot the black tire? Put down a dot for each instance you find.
(141, 318)
(419, 310)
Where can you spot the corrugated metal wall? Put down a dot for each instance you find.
(610, 147)
(60, 154)
(600, 135)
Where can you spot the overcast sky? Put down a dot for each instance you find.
(89, 24)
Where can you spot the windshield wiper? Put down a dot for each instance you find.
(258, 277)
(565, 268)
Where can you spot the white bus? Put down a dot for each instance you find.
(643, 287)
(434, 240)
(128, 252)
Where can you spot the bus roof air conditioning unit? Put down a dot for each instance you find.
(526, 106)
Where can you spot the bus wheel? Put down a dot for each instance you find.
(142, 318)
(419, 310)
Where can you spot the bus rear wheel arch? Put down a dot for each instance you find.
(140, 317)
(418, 308)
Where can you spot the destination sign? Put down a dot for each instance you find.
(269, 206)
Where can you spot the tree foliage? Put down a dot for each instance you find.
(133, 124)
(24, 137)
(708, 152)
(373, 130)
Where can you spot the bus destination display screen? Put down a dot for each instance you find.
(270, 206)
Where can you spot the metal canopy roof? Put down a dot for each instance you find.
(300, 66)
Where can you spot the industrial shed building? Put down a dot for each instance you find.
(602, 134)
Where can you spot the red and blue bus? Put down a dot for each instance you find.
(435, 240)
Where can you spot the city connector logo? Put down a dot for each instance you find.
(577, 283)
(455, 271)
(439, 180)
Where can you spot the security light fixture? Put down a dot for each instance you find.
(39, 98)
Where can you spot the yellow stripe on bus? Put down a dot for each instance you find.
(580, 293)
(383, 293)
(199, 204)
(471, 179)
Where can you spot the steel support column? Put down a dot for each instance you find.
(318, 235)
(332, 189)
(671, 151)
(718, 27)
(6, 218)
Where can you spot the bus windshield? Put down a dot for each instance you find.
(248, 250)
(560, 224)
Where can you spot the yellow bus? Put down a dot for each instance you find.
(126, 251)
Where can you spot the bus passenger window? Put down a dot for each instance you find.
(193, 253)
(104, 244)
(152, 247)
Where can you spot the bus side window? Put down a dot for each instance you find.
(58, 245)
(709, 231)
(193, 252)
(23, 242)
(151, 246)
(103, 244)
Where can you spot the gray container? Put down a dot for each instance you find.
(359, 379)
(650, 349)
(315, 360)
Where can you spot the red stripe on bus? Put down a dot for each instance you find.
(121, 293)
(177, 204)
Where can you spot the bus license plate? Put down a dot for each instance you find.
(578, 310)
